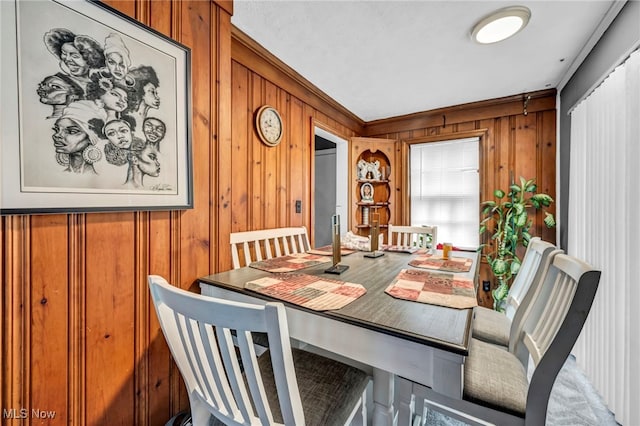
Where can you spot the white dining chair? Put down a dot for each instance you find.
(495, 327)
(413, 236)
(284, 386)
(263, 244)
(252, 246)
(496, 388)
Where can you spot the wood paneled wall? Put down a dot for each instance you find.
(79, 334)
(516, 144)
(260, 184)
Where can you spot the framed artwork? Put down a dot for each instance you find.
(96, 112)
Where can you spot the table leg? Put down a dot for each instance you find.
(383, 411)
(405, 401)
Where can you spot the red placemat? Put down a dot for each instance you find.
(292, 262)
(328, 251)
(319, 294)
(435, 261)
(436, 288)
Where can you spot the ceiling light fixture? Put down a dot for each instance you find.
(501, 24)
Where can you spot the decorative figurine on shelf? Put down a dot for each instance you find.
(362, 169)
(366, 192)
(368, 170)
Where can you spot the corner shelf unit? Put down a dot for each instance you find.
(376, 173)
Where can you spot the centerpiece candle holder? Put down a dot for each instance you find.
(336, 247)
(374, 234)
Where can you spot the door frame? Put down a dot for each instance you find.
(343, 147)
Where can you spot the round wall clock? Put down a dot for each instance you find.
(269, 125)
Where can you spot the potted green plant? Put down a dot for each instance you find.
(508, 222)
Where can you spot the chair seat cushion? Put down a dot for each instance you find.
(329, 389)
(491, 326)
(495, 378)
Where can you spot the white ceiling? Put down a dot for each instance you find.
(382, 59)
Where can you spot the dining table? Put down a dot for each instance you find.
(422, 342)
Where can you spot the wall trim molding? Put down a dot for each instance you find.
(500, 107)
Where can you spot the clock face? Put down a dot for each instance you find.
(269, 125)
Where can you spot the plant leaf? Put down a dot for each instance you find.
(515, 266)
(500, 292)
(499, 193)
(499, 267)
(521, 219)
(543, 199)
(549, 220)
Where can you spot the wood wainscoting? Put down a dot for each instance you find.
(79, 334)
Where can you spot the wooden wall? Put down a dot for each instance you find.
(78, 332)
(260, 184)
(516, 144)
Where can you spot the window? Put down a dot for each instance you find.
(445, 189)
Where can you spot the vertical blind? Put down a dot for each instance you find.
(604, 229)
(445, 189)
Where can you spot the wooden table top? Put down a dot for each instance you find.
(432, 325)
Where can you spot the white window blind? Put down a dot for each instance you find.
(445, 189)
(604, 230)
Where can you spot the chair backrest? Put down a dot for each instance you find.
(541, 254)
(553, 326)
(419, 236)
(198, 331)
(263, 244)
(530, 271)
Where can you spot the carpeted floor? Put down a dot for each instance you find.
(573, 401)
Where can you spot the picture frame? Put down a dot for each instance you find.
(366, 193)
(96, 111)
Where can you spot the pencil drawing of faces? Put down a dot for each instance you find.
(150, 96)
(116, 57)
(53, 90)
(77, 54)
(74, 60)
(148, 162)
(154, 130)
(69, 138)
(116, 65)
(115, 99)
(119, 133)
